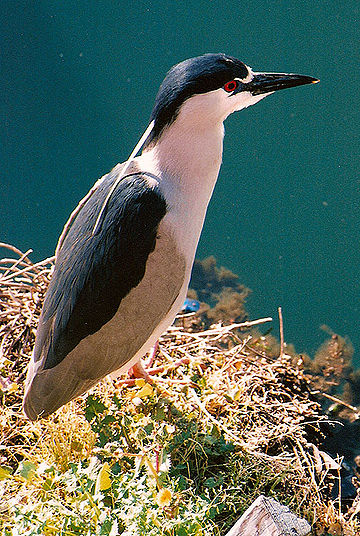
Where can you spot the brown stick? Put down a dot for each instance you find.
(335, 399)
(281, 326)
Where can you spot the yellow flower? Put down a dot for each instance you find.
(140, 382)
(146, 390)
(163, 498)
(103, 480)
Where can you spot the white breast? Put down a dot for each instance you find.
(186, 160)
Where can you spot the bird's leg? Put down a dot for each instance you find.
(152, 355)
(138, 371)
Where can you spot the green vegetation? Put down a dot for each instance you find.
(226, 420)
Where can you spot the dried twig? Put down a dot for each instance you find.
(281, 325)
(261, 405)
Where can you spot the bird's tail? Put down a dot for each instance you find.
(48, 390)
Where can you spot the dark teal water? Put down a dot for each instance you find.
(78, 81)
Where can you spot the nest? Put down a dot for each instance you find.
(220, 383)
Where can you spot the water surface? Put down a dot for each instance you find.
(78, 82)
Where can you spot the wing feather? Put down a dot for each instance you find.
(94, 273)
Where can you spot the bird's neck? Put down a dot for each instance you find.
(187, 158)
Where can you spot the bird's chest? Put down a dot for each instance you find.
(184, 222)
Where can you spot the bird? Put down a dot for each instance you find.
(123, 263)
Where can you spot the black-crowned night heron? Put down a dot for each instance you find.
(123, 268)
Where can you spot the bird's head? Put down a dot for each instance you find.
(208, 88)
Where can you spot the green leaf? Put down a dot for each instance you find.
(159, 413)
(108, 419)
(183, 483)
(149, 428)
(215, 432)
(93, 408)
(106, 527)
(26, 469)
(5, 472)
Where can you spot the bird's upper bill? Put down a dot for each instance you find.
(269, 82)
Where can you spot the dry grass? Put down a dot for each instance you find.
(220, 383)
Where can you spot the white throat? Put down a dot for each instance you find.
(188, 156)
(186, 162)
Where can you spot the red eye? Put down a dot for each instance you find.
(231, 86)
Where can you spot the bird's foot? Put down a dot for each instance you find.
(138, 371)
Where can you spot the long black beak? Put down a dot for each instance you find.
(269, 82)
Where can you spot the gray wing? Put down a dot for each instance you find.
(93, 274)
